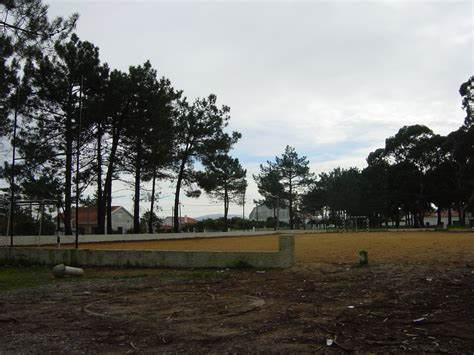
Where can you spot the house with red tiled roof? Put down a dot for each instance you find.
(167, 224)
(122, 220)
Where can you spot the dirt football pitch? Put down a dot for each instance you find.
(415, 295)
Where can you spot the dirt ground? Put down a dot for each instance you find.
(416, 295)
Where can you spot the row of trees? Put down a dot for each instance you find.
(415, 171)
(72, 119)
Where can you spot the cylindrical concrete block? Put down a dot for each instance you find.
(62, 270)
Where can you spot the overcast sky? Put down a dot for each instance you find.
(334, 79)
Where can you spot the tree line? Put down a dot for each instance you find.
(416, 171)
(76, 124)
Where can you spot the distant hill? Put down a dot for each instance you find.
(216, 216)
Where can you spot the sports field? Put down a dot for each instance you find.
(383, 247)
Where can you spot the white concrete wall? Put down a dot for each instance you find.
(93, 238)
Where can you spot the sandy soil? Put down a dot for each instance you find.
(416, 295)
(383, 247)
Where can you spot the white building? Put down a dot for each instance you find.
(168, 222)
(262, 213)
(431, 218)
(122, 220)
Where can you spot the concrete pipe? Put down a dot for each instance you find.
(61, 270)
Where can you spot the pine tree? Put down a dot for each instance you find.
(224, 180)
(199, 133)
(58, 80)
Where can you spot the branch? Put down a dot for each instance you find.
(38, 34)
(20, 29)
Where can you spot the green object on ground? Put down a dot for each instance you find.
(363, 258)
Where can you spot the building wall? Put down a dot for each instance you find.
(122, 219)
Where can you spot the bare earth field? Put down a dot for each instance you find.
(416, 295)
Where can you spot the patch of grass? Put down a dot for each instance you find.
(16, 277)
(21, 277)
(27, 277)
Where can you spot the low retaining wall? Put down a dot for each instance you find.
(152, 258)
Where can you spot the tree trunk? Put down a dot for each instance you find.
(116, 132)
(226, 208)
(136, 202)
(416, 221)
(68, 169)
(107, 198)
(274, 218)
(462, 219)
(450, 217)
(100, 203)
(109, 207)
(290, 204)
(176, 197)
(176, 220)
(438, 212)
(152, 202)
(421, 215)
